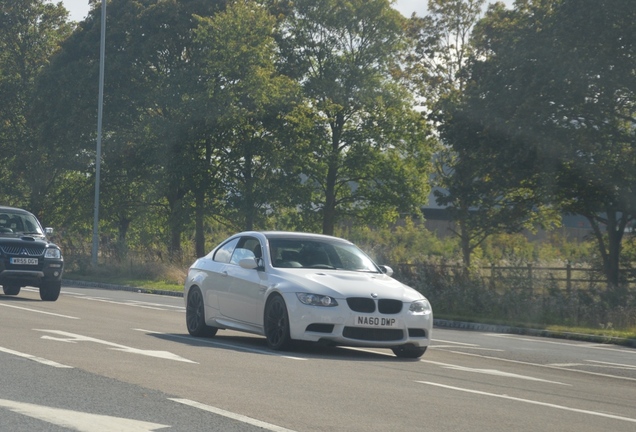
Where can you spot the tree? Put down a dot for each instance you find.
(486, 191)
(30, 32)
(152, 128)
(472, 183)
(557, 79)
(247, 101)
(369, 147)
(442, 49)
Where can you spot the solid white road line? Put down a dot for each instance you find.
(446, 348)
(455, 343)
(533, 402)
(38, 311)
(35, 358)
(234, 416)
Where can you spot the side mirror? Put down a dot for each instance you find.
(48, 230)
(386, 270)
(248, 263)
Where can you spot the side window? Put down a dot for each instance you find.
(247, 247)
(225, 252)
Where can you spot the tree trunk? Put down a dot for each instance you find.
(121, 247)
(175, 222)
(329, 211)
(199, 235)
(611, 252)
(617, 288)
(465, 244)
(248, 175)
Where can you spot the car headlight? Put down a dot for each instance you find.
(53, 253)
(316, 300)
(421, 307)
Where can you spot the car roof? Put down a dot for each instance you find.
(13, 210)
(294, 234)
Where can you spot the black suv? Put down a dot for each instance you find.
(27, 257)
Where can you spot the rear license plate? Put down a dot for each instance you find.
(24, 261)
(369, 321)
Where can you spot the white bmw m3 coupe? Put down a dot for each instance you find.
(291, 286)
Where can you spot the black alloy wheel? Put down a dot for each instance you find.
(277, 324)
(195, 315)
(11, 289)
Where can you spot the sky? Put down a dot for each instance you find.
(78, 9)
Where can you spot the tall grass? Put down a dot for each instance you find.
(515, 300)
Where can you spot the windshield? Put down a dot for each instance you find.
(311, 253)
(19, 223)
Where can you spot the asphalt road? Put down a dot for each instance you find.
(103, 360)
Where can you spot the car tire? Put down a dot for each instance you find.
(50, 291)
(276, 324)
(195, 315)
(408, 351)
(11, 289)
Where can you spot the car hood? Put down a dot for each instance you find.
(342, 284)
(23, 240)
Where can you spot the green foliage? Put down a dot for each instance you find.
(441, 48)
(407, 243)
(481, 188)
(205, 115)
(555, 80)
(369, 148)
(248, 104)
(30, 33)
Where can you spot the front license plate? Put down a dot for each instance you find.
(370, 321)
(24, 261)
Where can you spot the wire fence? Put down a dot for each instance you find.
(545, 295)
(568, 277)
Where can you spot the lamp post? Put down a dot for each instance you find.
(98, 156)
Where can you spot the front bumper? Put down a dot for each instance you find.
(339, 325)
(49, 271)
